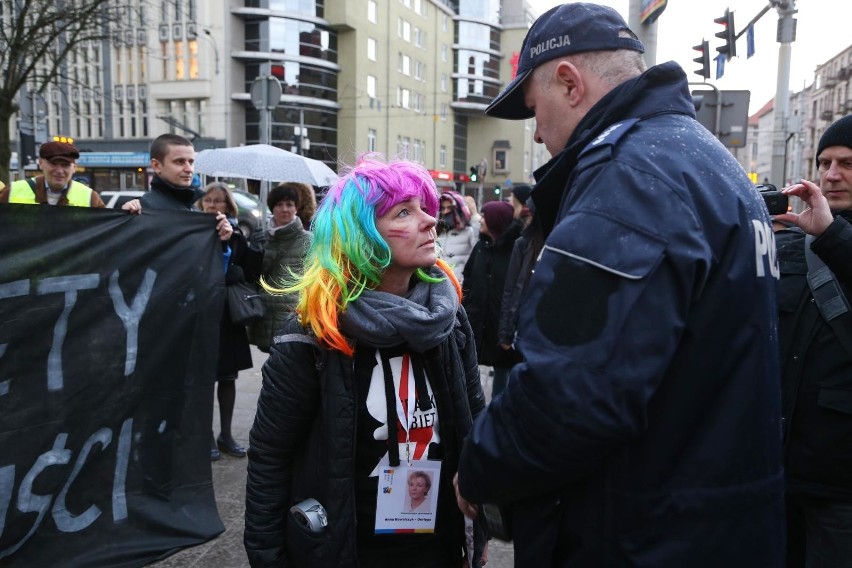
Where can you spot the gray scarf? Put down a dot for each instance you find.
(421, 319)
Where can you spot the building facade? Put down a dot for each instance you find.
(404, 78)
(811, 111)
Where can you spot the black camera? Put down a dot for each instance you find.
(776, 202)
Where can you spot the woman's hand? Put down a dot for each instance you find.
(223, 227)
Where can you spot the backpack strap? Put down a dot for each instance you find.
(829, 297)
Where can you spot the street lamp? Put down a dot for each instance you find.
(215, 49)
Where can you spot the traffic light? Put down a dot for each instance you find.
(703, 59)
(474, 173)
(729, 35)
(498, 190)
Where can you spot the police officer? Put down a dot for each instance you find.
(816, 350)
(643, 427)
(55, 186)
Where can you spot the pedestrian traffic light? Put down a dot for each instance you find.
(729, 35)
(497, 190)
(474, 173)
(703, 58)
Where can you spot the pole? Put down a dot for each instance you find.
(647, 34)
(301, 135)
(786, 36)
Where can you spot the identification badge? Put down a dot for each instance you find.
(407, 500)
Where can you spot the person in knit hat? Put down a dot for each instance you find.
(816, 357)
(521, 192)
(485, 277)
(496, 218)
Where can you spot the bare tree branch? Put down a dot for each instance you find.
(37, 37)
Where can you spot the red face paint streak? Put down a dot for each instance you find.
(398, 233)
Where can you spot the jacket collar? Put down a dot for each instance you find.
(661, 89)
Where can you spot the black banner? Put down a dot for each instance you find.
(108, 346)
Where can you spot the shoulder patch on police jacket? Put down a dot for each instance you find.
(606, 140)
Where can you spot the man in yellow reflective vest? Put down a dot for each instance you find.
(57, 162)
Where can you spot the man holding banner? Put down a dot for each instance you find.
(173, 162)
(106, 383)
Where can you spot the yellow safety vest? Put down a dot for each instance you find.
(77, 195)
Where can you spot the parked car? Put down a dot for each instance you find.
(249, 214)
(115, 199)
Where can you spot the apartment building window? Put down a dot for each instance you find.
(372, 88)
(501, 160)
(404, 29)
(180, 70)
(404, 64)
(443, 111)
(372, 48)
(442, 157)
(372, 11)
(444, 23)
(371, 140)
(418, 70)
(418, 154)
(403, 97)
(406, 147)
(399, 147)
(443, 82)
(444, 53)
(418, 37)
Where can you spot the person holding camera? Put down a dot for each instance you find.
(643, 426)
(815, 328)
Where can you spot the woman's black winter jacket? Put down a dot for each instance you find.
(303, 443)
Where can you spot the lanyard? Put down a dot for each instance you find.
(410, 383)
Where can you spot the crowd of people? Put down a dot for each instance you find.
(672, 368)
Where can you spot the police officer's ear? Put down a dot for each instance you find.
(569, 81)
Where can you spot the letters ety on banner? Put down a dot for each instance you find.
(107, 326)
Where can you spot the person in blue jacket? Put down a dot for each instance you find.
(643, 427)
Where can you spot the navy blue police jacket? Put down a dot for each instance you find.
(643, 428)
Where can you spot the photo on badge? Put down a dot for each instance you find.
(408, 498)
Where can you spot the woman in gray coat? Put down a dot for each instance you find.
(284, 253)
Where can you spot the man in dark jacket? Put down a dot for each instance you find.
(173, 162)
(816, 351)
(644, 426)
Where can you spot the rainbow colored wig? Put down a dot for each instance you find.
(347, 253)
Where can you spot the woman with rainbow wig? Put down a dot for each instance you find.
(379, 343)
